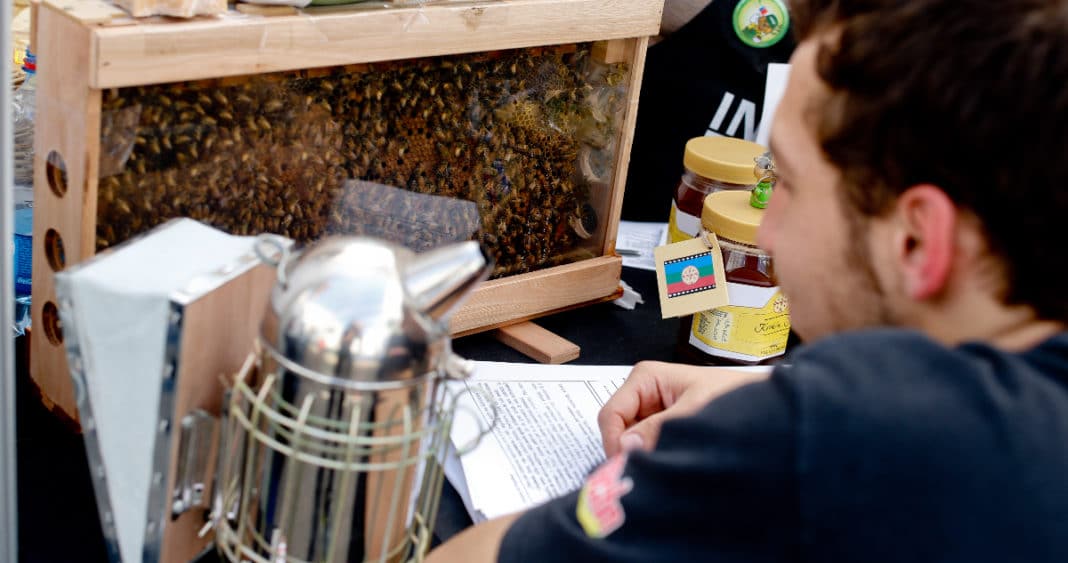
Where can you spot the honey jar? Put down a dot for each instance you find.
(754, 328)
(711, 164)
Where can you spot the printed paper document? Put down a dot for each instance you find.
(545, 440)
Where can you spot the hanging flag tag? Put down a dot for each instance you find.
(690, 276)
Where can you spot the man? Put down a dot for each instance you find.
(921, 147)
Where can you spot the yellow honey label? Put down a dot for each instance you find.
(681, 225)
(741, 332)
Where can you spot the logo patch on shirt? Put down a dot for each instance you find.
(761, 23)
(598, 510)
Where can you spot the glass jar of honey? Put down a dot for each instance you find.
(754, 328)
(711, 164)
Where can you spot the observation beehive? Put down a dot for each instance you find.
(507, 122)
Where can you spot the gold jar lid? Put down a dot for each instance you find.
(729, 214)
(722, 158)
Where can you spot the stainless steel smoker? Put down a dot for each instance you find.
(330, 436)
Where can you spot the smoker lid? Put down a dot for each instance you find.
(341, 310)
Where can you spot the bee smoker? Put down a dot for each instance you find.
(331, 432)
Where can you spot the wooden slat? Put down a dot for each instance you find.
(35, 7)
(528, 295)
(236, 45)
(538, 343)
(637, 50)
(73, 130)
(618, 293)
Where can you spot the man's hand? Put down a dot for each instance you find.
(656, 392)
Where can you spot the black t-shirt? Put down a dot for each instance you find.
(875, 446)
(701, 80)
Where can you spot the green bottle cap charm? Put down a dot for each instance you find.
(765, 170)
(761, 195)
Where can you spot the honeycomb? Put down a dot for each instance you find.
(506, 147)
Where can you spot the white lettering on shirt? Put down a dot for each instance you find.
(744, 114)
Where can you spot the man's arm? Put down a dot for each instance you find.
(719, 483)
(654, 393)
(476, 544)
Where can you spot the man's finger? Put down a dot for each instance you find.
(638, 398)
(644, 434)
(612, 427)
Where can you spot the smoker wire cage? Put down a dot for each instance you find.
(382, 474)
(508, 122)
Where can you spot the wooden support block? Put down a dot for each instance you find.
(540, 344)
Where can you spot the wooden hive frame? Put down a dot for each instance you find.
(86, 47)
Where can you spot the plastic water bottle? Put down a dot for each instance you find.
(24, 110)
(23, 256)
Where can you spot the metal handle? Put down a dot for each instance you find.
(273, 250)
(458, 368)
(192, 474)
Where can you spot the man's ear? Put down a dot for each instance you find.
(926, 240)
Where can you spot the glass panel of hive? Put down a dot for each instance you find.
(514, 148)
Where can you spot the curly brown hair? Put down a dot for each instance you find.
(967, 95)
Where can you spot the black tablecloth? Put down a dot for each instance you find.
(58, 520)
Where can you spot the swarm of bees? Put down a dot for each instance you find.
(511, 131)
